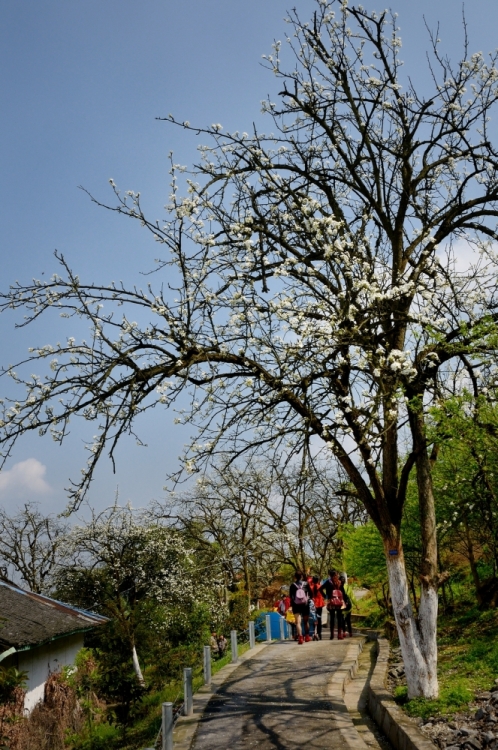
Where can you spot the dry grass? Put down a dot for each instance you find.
(49, 722)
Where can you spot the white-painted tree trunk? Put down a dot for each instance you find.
(136, 666)
(417, 637)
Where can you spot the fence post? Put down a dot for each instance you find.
(233, 641)
(289, 630)
(207, 665)
(167, 726)
(188, 703)
(282, 629)
(252, 634)
(268, 628)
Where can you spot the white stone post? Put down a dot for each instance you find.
(233, 641)
(207, 665)
(252, 634)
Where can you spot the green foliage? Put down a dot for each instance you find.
(189, 628)
(400, 694)
(465, 478)
(107, 672)
(10, 679)
(102, 737)
(452, 699)
(363, 553)
(239, 612)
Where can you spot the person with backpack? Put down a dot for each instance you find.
(334, 595)
(300, 596)
(319, 601)
(350, 599)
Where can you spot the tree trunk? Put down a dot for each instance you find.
(471, 558)
(136, 666)
(247, 578)
(414, 593)
(417, 639)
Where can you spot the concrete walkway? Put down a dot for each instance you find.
(281, 699)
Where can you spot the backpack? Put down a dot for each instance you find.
(336, 600)
(281, 607)
(300, 597)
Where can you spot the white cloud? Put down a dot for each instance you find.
(23, 478)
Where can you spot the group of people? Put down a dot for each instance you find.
(308, 598)
(218, 645)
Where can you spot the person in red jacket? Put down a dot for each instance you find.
(319, 602)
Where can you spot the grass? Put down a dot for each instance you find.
(373, 616)
(468, 662)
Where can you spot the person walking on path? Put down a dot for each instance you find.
(350, 600)
(283, 605)
(291, 620)
(222, 645)
(319, 601)
(300, 596)
(334, 595)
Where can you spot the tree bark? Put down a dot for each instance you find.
(247, 577)
(417, 634)
(417, 639)
(136, 666)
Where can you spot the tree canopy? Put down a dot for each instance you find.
(309, 287)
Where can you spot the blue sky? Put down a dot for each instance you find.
(82, 83)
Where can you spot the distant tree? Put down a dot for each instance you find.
(31, 546)
(466, 486)
(136, 572)
(311, 503)
(227, 510)
(263, 515)
(305, 293)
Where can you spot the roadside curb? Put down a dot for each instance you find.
(337, 687)
(186, 726)
(401, 731)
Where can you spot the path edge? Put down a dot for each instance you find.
(400, 729)
(336, 689)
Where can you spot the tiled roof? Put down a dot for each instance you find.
(28, 619)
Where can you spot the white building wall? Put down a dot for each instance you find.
(41, 662)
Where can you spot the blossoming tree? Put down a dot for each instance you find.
(262, 516)
(125, 564)
(306, 297)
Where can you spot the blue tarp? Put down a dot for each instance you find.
(260, 626)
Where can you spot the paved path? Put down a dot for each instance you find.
(278, 700)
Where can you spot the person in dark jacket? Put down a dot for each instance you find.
(349, 599)
(300, 595)
(335, 602)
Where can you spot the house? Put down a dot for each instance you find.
(40, 635)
